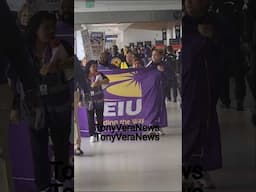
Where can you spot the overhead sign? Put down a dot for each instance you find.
(111, 36)
(148, 43)
(89, 3)
(159, 42)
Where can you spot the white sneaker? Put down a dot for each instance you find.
(93, 139)
(98, 135)
(61, 189)
(160, 132)
(150, 132)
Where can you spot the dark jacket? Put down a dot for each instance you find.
(14, 57)
(200, 81)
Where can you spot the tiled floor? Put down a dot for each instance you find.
(133, 166)
(156, 166)
(239, 153)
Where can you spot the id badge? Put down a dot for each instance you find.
(43, 89)
(92, 93)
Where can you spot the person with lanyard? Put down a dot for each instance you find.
(201, 77)
(94, 82)
(53, 112)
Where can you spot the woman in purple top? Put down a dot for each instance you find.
(201, 144)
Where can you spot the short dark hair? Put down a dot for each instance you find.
(35, 22)
(129, 51)
(158, 50)
(88, 66)
(137, 59)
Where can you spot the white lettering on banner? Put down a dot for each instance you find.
(137, 110)
(109, 109)
(120, 108)
(113, 109)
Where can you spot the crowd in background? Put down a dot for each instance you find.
(144, 57)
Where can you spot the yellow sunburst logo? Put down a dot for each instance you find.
(116, 61)
(124, 85)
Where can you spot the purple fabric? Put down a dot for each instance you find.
(83, 121)
(149, 106)
(200, 79)
(21, 157)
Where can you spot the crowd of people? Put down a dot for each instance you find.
(218, 43)
(38, 69)
(89, 76)
(144, 57)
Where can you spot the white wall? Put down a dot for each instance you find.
(135, 35)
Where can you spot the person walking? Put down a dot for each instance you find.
(201, 74)
(15, 61)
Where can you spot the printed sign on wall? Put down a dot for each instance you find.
(97, 43)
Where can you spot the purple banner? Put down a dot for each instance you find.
(132, 97)
(21, 158)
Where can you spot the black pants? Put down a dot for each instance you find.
(172, 86)
(59, 125)
(251, 77)
(98, 109)
(240, 89)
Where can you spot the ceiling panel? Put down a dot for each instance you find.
(131, 5)
(153, 26)
(127, 17)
